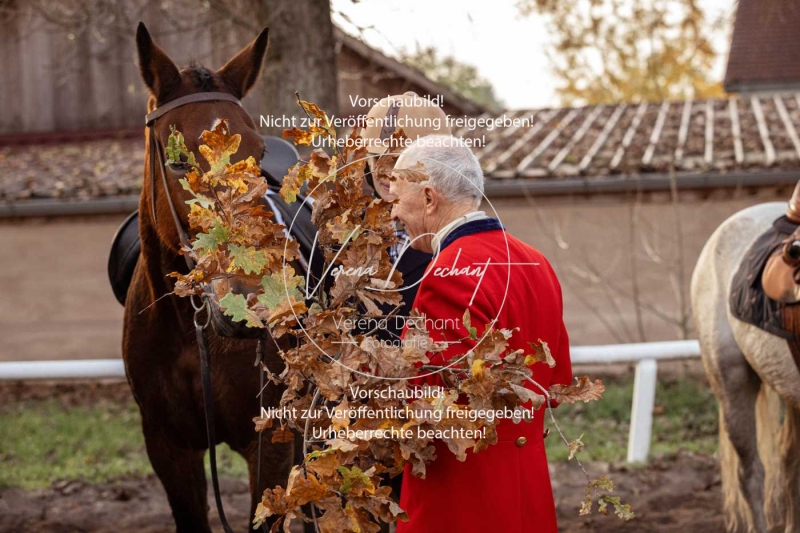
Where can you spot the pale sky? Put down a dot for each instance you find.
(507, 49)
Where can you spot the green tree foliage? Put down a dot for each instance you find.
(461, 77)
(609, 51)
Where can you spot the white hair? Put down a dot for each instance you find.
(452, 168)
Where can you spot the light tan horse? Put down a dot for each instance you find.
(759, 436)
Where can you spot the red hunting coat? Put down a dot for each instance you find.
(505, 488)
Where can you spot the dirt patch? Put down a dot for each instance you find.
(127, 505)
(674, 494)
(680, 493)
(68, 393)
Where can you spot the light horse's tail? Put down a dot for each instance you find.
(753, 490)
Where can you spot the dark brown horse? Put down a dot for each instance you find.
(159, 345)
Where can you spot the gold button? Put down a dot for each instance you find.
(522, 441)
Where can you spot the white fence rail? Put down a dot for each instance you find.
(645, 355)
(75, 369)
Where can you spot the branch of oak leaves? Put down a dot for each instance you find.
(246, 258)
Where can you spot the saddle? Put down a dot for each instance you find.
(780, 277)
(280, 156)
(765, 290)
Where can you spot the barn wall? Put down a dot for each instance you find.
(575, 234)
(596, 244)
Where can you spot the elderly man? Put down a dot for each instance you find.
(506, 487)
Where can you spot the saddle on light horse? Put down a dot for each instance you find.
(765, 290)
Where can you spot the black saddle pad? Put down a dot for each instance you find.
(748, 301)
(125, 249)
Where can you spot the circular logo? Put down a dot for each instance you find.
(454, 361)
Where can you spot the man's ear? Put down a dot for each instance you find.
(158, 71)
(241, 72)
(431, 199)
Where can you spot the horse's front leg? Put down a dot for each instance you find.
(183, 476)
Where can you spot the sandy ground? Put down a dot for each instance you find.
(677, 494)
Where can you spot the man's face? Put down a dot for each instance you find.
(411, 210)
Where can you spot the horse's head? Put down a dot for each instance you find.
(166, 84)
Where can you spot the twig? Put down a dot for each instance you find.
(555, 423)
(156, 301)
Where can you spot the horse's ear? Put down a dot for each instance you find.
(241, 72)
(158, 71)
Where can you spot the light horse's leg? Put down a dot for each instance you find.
(772, 358)
(737, 386)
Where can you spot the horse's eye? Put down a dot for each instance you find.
(791, 251)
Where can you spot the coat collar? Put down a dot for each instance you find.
(470, 228)
(442, 234)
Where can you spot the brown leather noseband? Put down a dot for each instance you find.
(156, 151)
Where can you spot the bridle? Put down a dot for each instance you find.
(156, 152)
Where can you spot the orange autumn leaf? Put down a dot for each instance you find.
(219, 145)
(584, 390)
(282, 434)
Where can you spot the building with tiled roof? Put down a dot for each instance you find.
(752, 140)
(765, 47)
